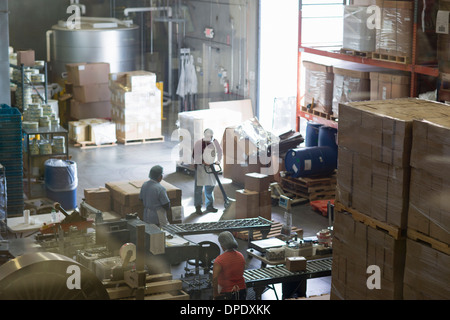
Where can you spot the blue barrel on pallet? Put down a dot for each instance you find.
(328, 138)
(61, 182)
(310, 161)
(312, 134)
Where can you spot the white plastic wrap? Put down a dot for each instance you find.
(319, 86)
(357, 35)
(347, 88)
(394, 36)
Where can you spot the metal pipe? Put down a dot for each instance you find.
(127, 11)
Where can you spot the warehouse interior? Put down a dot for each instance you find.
(329, 162)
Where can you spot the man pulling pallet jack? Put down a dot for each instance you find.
(207, 156)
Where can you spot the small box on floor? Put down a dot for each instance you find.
(296, 264)
(247, 204)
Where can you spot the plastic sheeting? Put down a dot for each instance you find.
(262, 139)
(357, 35)
(61, 175)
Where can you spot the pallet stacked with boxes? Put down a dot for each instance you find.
(136, 106)
(255, 199)
(91, 96)
(375, 211)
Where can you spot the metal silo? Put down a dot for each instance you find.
(97, 40)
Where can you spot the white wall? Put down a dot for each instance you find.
(278, 55)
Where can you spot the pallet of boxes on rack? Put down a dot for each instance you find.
(11, 157)
(373, 203)
(136, 107)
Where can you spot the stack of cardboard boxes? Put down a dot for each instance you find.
(125, 198)
(255, 199)
(91, 96)
(136, 105)
(374, 179)
(394, 37)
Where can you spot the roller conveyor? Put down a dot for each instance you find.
(250, 224)
(260, 278)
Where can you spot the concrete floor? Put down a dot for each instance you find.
(132, 162)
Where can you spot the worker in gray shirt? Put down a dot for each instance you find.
(155, 199)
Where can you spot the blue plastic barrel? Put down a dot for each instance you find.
(328, 138)
(310, 161)
(61, 182)
(312, 134)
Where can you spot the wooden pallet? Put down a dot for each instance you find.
(311, 188)
(391, 58)
(140, 141)
(277, 192)
(434, 243)
(394, 231)
(275, 231)
(91, 144)
(351, 52)
(319, 114)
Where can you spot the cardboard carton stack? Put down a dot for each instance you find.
(357, 246)
(255, 199)
(319, 85)
(97, 131)
(125, 198)
(136, 105)
(394, 37)
(384, 85)
(91, 96)
(391, 176)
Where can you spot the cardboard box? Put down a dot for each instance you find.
(247, 204)
(81, 74)
(425, 271)
(395, 35)
(135, 81)
(92, 93)
(257, 182)
(127, 192)
(319, 86)
(26, 57)
(79, 110)
(99, 198)
(355, 248)
(389, 86)
(296, 264)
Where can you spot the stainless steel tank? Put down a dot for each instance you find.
(97, 40)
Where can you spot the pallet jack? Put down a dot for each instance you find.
(229, 212)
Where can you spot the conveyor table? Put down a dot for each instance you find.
(261, 278)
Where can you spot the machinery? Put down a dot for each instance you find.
(72, 220)
(47, 276)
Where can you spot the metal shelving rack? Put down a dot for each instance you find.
(49, 133)
(25, 81)
(412, 67)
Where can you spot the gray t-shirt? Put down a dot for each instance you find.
(154, 196)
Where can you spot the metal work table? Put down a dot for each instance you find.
(261, 278)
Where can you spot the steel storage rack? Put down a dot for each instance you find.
(415, 69)
(24, 82)
(11, 157)
(49, 133)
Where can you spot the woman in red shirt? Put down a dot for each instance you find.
(228, 270)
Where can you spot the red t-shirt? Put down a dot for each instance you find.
(233, 265)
